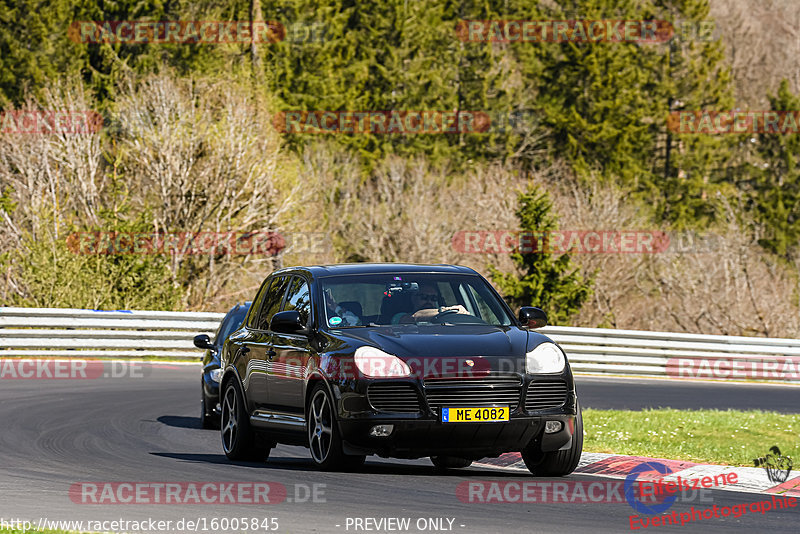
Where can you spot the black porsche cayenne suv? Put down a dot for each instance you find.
(397, 360)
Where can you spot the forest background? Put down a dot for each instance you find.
(580, 141)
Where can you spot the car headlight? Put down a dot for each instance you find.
(216, 375)
(546, 358)
(375, 363)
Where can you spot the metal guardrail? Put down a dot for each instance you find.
(65, 332)
(679, 355)
(57, 332)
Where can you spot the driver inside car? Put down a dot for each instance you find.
(425, 303)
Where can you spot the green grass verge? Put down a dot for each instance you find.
(728, 437)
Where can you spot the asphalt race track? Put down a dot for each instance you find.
(640, 393)
(56, 433)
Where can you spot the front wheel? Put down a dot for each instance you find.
(556, 463)
(239, 440)
(324, 440)
(208, 420)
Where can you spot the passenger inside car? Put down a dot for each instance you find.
(342, 314)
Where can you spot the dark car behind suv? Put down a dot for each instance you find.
(209, 403)
(396, 360)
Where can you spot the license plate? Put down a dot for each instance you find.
(475, 415)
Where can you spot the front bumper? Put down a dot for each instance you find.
(211, 393)
(423, 437)
(421, 434)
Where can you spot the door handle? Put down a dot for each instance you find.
(271, 354)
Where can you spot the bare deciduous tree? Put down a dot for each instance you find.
(202, 156)
(408, 211)
(762, 39)
(186, 156)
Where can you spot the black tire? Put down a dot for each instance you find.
(450, 462)
(556, 463)
(208, 420)
(324, 440)
(239, 440)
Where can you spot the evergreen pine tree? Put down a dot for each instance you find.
(550, 282)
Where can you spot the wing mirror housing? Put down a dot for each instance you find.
(288, 322)
(203, 342)
(531, 317)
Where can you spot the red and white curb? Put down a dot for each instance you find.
(749, 479)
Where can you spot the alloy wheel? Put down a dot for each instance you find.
(229, 420)
(320, 429)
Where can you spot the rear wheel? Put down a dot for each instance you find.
(450, 462)
(324, 440)
(556, 463)
(239, 440)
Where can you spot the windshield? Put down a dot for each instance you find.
(396, 299)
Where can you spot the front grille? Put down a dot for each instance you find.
(397, 398)
(542, 395)
(479, 391)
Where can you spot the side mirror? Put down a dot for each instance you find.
(287, 322)
(203, 342)
(531, 317)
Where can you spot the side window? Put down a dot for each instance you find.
(486, 311)
(448, 294)
(273, 302)
(252, 320)
(298, 298)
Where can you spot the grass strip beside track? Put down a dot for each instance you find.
(729, 437)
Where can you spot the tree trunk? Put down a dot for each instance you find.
(255, 16)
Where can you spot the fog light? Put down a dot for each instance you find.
(551, 427)
(381, 431)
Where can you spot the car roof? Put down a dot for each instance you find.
(322, 271)
(238, 306)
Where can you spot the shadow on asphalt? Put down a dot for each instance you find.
(205, 459)
(373, 466)
(179, 421)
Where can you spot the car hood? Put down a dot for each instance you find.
(446, 341)
(431, 351)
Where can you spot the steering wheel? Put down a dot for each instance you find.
(442, 314)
